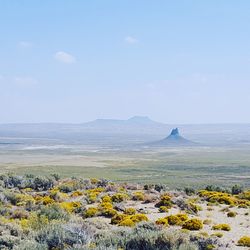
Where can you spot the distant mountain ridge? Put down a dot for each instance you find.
(133, 125)
(138, 128)
(132, 120)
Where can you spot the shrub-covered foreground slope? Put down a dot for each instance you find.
(53, 213)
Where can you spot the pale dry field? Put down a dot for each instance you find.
(175, 167)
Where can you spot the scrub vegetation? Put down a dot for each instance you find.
(39, 212)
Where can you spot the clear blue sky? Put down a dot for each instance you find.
(174, 61)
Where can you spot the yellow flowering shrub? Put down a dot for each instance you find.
(193, 224)
(70, 206)
(91, 198)
(106, 209)
(21, 199)
(24, 223)
(36, 222)
(106, 198)
(223, 227)
(90, 212)
(218, 235)
(225, 198)
(138, 196)
(96, 191)
(118, 218)
(76, 193)
(214, 196)
(92, 194)
(105, 205)
(130, 211)
(46, 200)
(177, 219)
(163, 209)
(37, 198)
(244, 241)
(244, 195)
(94, 181)
(59, 196)
(243, 206)
(122, 189)
(203, 234)
(108, 212)
(194, 207)
(5, 220)
(127, 223)
(119, 197)
(138, 218)
(165, 200)
(162, 221)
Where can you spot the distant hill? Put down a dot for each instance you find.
(174, 139)
(136, 129)
(139, 129)
(134, 125)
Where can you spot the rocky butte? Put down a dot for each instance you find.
(174, 139)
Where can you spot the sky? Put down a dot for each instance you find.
(184, 61)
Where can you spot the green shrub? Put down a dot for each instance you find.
(231, 214)
(207, 221)
(19, 214)
(8, 242)
(148, 186)
(41, 183)
(236, 189)
(64, 188)
(56, 237)
(194, 208)
(54, 212)
(148, 238)
(30, 245)
(189, 191)
(214, 188)
(12, 197)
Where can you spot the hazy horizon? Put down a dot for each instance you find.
(127, 119)
(178, 62)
